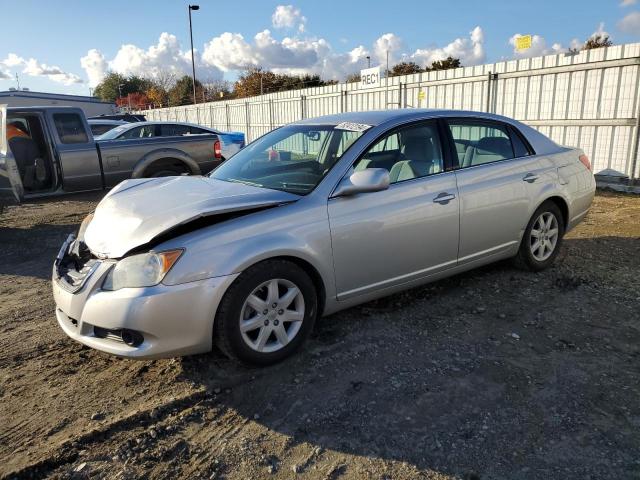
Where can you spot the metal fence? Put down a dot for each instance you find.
(589, 100)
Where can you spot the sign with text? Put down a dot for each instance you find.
(370, 77)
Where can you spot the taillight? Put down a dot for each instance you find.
(217, 150)
(585, 161)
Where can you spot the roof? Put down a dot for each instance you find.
(541, 143)
(51, 96)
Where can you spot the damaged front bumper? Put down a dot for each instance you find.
(143, 323)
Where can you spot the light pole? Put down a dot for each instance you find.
(193, 62)
(120, 85)
(368, 61)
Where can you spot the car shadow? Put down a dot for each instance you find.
(493, 373)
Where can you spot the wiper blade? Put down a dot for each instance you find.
(245, 182)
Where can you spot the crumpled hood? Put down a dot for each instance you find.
(138, 210)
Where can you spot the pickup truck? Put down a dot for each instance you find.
(50, 150)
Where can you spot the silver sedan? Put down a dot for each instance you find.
(312, 218)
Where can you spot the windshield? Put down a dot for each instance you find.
(293, 158)
(112, 134)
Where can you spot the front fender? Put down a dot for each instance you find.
(160, 154)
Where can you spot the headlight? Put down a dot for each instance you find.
(143, 270)
(83, 226)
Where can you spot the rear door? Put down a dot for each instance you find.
(11, 190)
(498, 178)
(76, 150)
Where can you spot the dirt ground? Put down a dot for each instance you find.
(492, 374)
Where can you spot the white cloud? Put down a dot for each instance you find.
(33, 68)
(628, 3)
(4, 75)
(165, 56)
(389, 42)
(600, 32)
(630, 24)
(95, 65)
(470, 50)
(287, 16)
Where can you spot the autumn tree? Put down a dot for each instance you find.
(134, 101)
(256, 80)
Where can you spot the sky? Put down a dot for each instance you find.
(68, 46)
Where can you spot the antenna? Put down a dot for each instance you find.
(18, 81)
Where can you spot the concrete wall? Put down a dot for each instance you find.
(588, 100)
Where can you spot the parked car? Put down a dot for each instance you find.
(309, 219)
(230, 142)
(54, 152)
(100, 127)
(124, 117)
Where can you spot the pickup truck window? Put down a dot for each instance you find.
(70, 128)
(146, 131)
(173, 130)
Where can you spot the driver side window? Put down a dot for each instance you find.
(410, 152)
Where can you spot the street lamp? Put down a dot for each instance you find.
(193, 62)
(120, 85)
(368, 61)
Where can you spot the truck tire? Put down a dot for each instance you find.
(166, 168)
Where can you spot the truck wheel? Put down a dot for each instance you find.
(165, 169)
(267, 313)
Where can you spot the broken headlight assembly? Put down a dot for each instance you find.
(143, 270)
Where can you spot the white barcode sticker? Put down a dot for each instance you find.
(352, 127)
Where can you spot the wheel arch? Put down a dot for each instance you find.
(165, 154)
(562, 204)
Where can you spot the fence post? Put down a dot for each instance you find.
(302, 107)
(636, 134)
(271, 114)
(226, 111)
(246, 115)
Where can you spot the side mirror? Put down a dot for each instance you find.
(362, 181)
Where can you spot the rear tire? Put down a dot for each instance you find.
(267, 313)
(165, 169)
(542, 238)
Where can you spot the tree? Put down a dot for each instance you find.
(405, 68)
(214, 90)
(446, 64)
(256, 80)
(134, 101)
(182, 92)
(596, 41)
(354, 77)
(113, 84)
(157, 96)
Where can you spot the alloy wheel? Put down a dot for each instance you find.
(544, 236)
(272, 315)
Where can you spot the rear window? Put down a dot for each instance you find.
(173, 130)
(70, 128)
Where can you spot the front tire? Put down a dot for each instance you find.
(542, 238)
(267, 313)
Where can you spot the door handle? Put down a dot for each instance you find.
(444, 198)
(530, 177)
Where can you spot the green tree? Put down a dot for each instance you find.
(255, 80)
(113, 84)
(182, 92)
(446, 64)
(405, 68)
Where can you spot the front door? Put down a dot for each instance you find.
(406, 232)
(76, 150)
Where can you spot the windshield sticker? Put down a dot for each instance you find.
(352, 127)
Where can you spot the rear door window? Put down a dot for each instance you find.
(70, 128)
(478, 142)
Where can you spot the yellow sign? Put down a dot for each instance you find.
(422, 95)
(523, 42)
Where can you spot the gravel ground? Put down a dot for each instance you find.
(492, 374)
